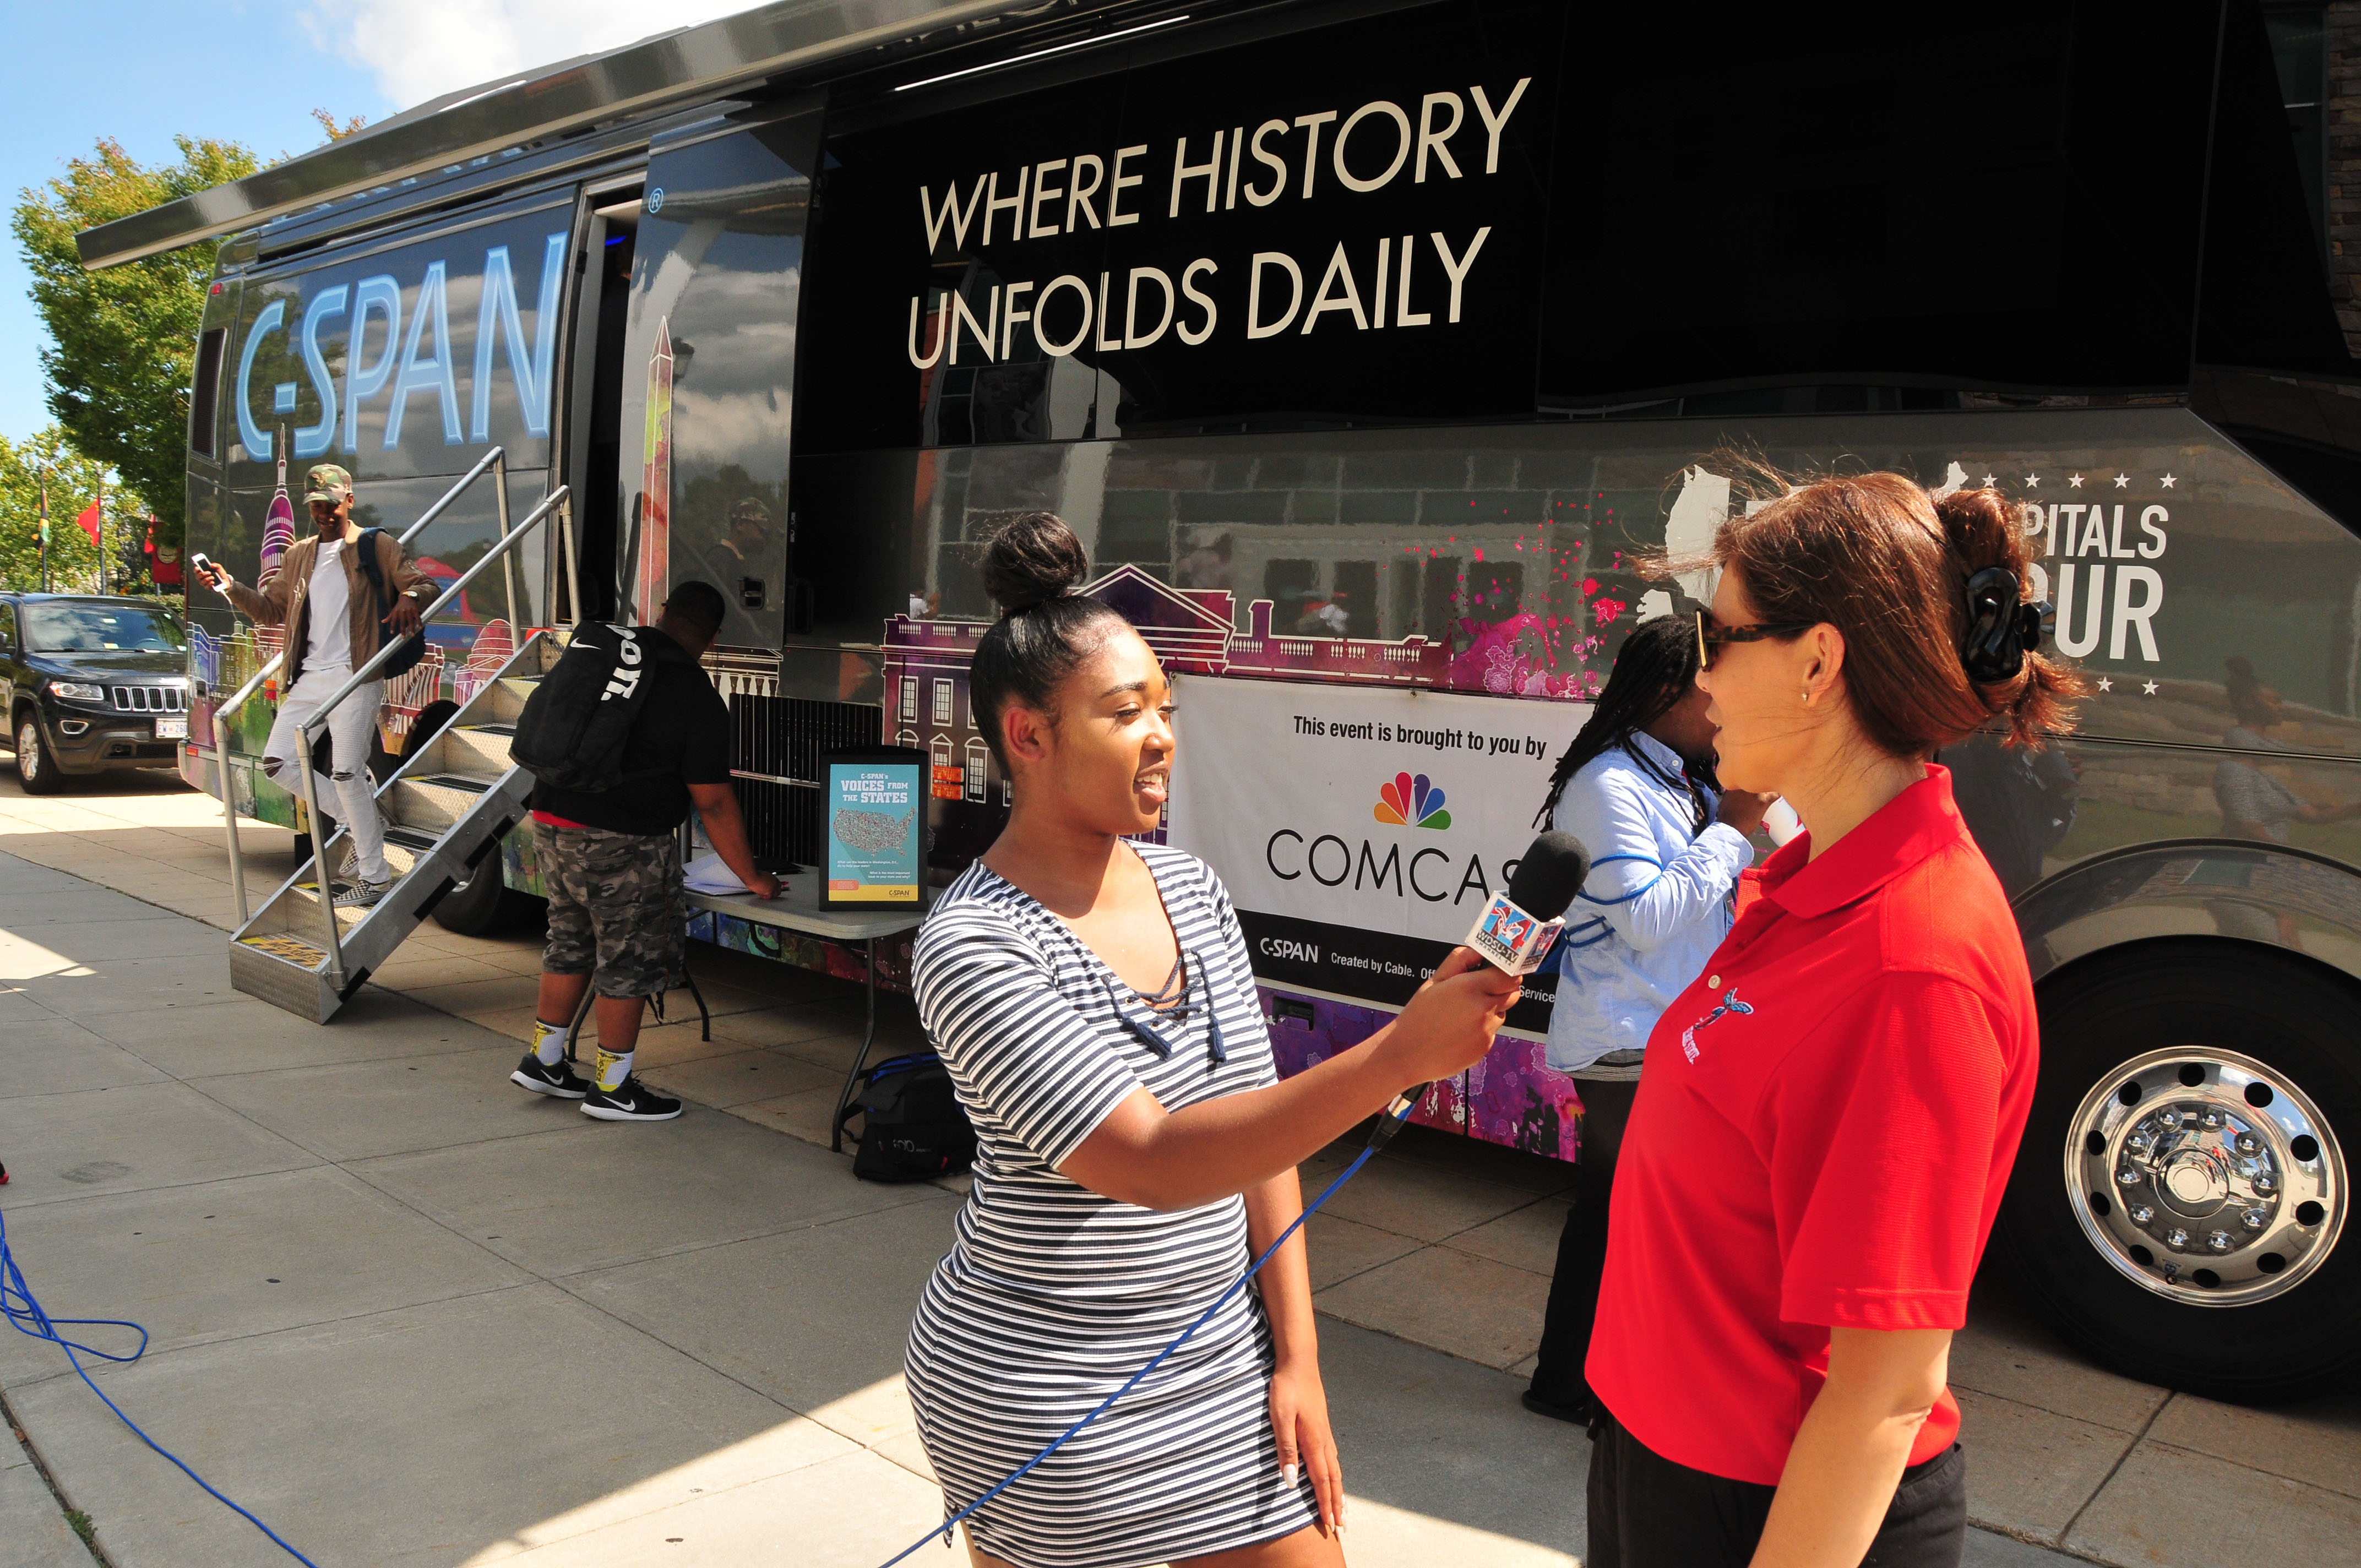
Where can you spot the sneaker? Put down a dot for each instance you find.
(560, 1082)
(630, 1101)
(363, 894)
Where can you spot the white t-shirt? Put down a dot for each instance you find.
(329, 631)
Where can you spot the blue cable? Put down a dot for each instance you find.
(1394, 1116)
(19, 1305)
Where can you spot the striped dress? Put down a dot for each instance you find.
(1052, 1296)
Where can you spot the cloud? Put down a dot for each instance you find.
(418, 49)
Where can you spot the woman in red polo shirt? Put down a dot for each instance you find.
(1826, 1116)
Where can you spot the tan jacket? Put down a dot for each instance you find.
(283, 603)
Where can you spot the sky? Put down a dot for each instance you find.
(250, 70)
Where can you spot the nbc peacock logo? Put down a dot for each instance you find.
(1408, 801)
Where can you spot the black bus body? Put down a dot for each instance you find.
(1366, 344)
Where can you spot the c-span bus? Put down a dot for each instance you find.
(1366, 344)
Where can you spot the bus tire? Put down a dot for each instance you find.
(484, 905)
(2183, 1183)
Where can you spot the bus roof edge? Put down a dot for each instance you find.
(668, 68)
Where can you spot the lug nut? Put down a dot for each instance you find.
(2212, 1118)
(2253, 1218)
(2219, 1241)
(2141, 1215)
(2176, 1238)
(2264, 1184)
(2247, 1143)
(2127, 1177)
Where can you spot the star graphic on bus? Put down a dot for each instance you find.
(2105, 684)
(2074, 481)
(2123, 481)
(2166, 481)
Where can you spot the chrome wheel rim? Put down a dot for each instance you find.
(29, 750)
(2205, 1176)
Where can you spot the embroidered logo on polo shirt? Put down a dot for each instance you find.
(1730, 1004)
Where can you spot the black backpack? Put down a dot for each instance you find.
(912, 1126)
(412, 650)
(575, 725)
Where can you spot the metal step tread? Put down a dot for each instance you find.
(287, 949)
(470, 783)
(490, 728)
(417, 839)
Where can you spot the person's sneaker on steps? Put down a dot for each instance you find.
(555, 1079)
(362, 894)
(630, 1101)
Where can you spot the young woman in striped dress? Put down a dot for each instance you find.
(1092, 1000)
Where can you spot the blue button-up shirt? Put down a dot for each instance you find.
(1648, 920)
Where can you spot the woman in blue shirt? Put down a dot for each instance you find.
(1636, 787)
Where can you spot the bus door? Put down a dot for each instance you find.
(610, 228)
(708, 373)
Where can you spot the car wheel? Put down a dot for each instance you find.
(2184, 1180)
(36, 769)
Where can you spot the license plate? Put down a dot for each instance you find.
(172, 728)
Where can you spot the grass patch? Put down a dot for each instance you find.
(82, 1527)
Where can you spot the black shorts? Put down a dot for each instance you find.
(1648, 1512)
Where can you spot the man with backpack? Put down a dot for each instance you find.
(332, 593)
(623, 735)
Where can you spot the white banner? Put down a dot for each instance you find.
(1346, 816)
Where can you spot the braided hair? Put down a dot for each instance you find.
(1654, 669)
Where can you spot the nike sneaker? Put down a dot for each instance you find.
(630, 1101)
(557, 1079)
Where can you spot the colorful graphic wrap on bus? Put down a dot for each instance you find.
(356, 351)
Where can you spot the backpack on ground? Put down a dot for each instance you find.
(576, 724)
(411, 650)
(912, 1126)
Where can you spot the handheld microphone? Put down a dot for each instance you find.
(1514, 933)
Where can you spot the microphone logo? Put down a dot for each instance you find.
(1511, 940)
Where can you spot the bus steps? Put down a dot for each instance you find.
(446, 810)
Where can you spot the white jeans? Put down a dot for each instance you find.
(351, 727)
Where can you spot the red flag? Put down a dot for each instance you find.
(89, 520)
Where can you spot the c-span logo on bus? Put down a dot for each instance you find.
(1410, 800)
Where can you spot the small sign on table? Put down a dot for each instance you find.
(876, 827)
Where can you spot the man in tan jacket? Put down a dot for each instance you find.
(324, 596)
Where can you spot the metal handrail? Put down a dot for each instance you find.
(366, 674)
(497, 459)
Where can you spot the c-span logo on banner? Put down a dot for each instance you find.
(1410, 800)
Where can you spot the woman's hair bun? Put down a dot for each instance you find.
(1034, 558)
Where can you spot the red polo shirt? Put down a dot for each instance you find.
(1824, 1126)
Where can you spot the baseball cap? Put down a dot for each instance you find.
(327, 482)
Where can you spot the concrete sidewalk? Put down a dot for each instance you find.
(407, 1314)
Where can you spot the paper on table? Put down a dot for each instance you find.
(707, 874)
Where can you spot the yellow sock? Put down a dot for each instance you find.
(613, 1068)
(548, 1042)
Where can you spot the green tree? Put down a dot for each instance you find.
(124, 339)
(73, 483)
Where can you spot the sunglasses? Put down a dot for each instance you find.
(1710, 636)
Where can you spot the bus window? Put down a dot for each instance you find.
(710, 352)
(1784, 198)
(204, 397)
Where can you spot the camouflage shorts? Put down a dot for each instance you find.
(615, 908)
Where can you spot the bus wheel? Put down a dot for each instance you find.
(2184, 1178)
(484, 905)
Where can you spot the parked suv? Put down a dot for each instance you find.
(90, 683)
